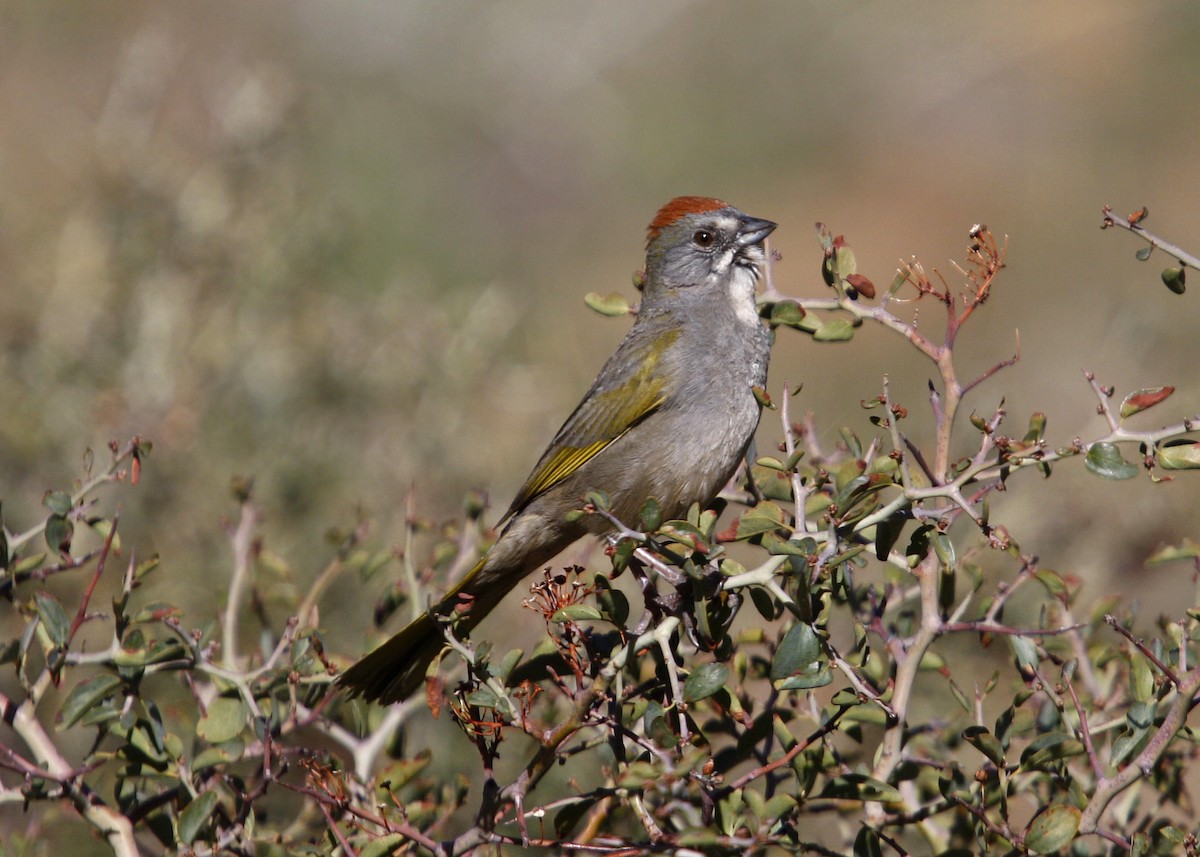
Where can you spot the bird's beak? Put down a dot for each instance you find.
(753, 230)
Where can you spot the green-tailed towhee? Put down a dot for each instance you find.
(669, 417)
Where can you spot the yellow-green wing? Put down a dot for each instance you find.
(629, 388)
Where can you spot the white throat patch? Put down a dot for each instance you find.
(741, 295)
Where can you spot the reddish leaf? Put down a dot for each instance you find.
(862, 285)
(1144, 399)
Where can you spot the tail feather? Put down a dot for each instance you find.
(395, 670)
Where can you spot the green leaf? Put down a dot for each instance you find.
(401, 772)
(1049, 748)
(613, 304)
(483, 697)
(384, 846)
(845, 261)
(1175, 279)
(1139, 845)
(58, 502)
(985, 742)
(638, 774)
(765, 603)
(789, 314)
(1025, 652)
(651, 514)
(657, 727)
(614, 606)
(576, 613)
(834, 330)
(225, 719)
(195, 814)
(818, 676)
(944, 549)
(1144, 253)
(219, 755)
(59, 532)
(1144, 399)
(797, 652)
(866, 843)
(763, 518)
(1053, 828)
(1037, 428)
(861, 787)
(85, 696)
(569, 816)
(704, 681)
(103, 528)
(27, 564)
(1178, 455)
(508, 663)
(144, 746)
(1186, 549)
(1127, 744)
(53, 617)
(888, 531)
(1141, 678)
(1054, 583)
(1104, 459)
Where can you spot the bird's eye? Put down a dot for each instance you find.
(703, 238)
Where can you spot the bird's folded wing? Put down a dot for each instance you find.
(629, 389)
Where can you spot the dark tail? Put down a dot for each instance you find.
(394, 671)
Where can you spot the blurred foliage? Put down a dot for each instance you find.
(833, 688)
(339, 250)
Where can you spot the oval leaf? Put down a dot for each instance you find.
(58, 626)
(224, 720)
(797, 652)
(818, 675)
(1049, 749)
(613, 304)
(985, 742)
(1104, 459)
(861, 787)
(58, 502)
(384, 846)
(1178, 455)
(1175, 279)
(576, 613)
(1144, 399)
(861, 285)
(1186, 550)
(762, 518)
(59, 532)
(835, 330)
(195, 814)
(1052, 828)
(704, 681)
(788, 313)
(85, 696)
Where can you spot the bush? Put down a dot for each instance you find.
(858, 655)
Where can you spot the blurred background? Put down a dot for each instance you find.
(342, 247)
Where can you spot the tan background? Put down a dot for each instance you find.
(342, 246)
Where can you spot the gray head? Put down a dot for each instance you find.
(698, 242)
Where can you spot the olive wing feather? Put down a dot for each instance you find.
(629, 388)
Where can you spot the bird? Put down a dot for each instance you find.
(669, 417)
